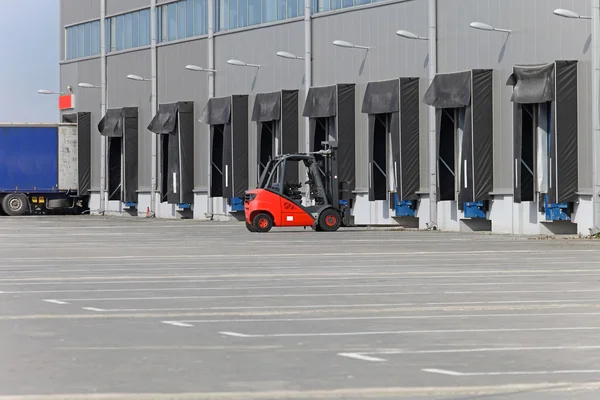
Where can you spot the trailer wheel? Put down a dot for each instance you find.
(330, 220)
(250, 227)
(262, 222)
(15, 204)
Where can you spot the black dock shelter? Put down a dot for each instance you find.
(174, 124)
(120, 127)
(331, 113)
(463, 102)
(228, 120)
(276, 116)
(84, 149)
(393, 111)
(545, 91)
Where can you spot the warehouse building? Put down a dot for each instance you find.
(453, 115)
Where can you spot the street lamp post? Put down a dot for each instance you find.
(432, 137)
(209, 205)
(595, 18)
(154, 174)
(103, 145)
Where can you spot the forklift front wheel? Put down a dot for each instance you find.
(330, 220)
(262, 222)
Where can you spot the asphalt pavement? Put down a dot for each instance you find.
(126, 308)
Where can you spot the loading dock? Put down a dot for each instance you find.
(228, 120)
(464, 127)
(393, 112)
(120, 127)
(331, 113)
(276, 117)
(174, 123)
(545, 137)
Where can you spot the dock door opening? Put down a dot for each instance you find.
(379, 165)
(115, 167)
(217, 160)
(450, 152)
(268, 148)
(164, 167)
(324, 132)
(527, 181)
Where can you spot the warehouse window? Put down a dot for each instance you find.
(319, 6)
(231, 14)
(128, 31)
(182, 19)
(82, 40)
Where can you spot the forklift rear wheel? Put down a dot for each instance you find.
(262, 222)
(250, 227)
(330, 220)
(15, 204)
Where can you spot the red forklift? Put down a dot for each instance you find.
(278, 200)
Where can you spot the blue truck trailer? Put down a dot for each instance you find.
(44, 168)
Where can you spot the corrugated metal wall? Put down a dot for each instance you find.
(123, 92)
(122, 6)
(74, 12)
(259, 46)
(187, 85)
(538, 36)
(390, 57)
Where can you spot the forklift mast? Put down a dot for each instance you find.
(338, 192)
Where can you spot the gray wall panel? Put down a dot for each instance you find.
(538, 36)
(86, 100)
(120, 6)
(258, 46)
(185, 85)
(123, 92)
(73, 12)
(390, 57)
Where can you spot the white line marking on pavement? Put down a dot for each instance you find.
(361, 356)
(263, 265)
(249, 296)
(295, 255)
(442, 371)
(236, 334)
(459, 316)
(191, 288)
(277, 307)
(455, 373)
(577, 328)
(118, 280)
(55, 301)
(94, 309)
(177, 323)
(367, 355)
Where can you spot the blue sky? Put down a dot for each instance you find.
(29, 39)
